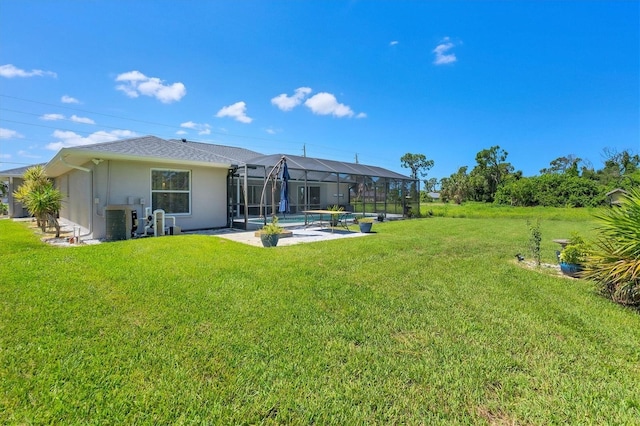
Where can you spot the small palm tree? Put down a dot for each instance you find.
(614, 262)
(38, 195)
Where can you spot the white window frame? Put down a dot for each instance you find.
(162, 169)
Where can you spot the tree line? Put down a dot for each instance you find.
(568, 181)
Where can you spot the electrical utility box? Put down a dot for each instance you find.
(119, 222)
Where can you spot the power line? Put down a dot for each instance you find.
(321, 148)
(85, 111)
(173, 127)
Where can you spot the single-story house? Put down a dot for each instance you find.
(203, 186)
(13, 179)
(615, 197)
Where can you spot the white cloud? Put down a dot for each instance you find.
(326, 104)
(393, 43)
(135, 84)
(181, 132)
(66, 99)
(236, 111)
(5, 156)
(189, 125)
(67, 139)
(74, 118)
(202, 128)
(9, 134)
(10, 71)
(361, 115)
(442, 57)
(52, 117)
(272, 131)
(287, 103)
(84, 120)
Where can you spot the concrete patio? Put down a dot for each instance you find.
(299, 235)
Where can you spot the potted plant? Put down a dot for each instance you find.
(573, 256)
(335, 218)
(270, 233)
(365, 224)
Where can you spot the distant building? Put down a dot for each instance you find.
(615, 197)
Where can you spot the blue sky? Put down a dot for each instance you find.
(376, 79)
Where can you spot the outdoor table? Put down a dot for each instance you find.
(310, 214)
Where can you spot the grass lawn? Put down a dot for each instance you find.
(489, 210)
(428, 321)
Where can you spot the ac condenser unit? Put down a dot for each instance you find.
(119, 222)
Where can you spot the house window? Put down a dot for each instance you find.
(312, 198)
(171, 191)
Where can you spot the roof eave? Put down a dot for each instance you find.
(63, 162)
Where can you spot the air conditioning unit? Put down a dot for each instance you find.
(119, 222)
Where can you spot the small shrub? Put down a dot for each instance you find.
(535, 238)
(362, 219)
(335, 217)
(576, 251)
(272, 228)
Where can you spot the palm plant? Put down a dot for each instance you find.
(614, 262)
(38, 195)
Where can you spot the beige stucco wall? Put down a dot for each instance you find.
(15, 207)
(129, 183)
(75, 187)
(334, 194)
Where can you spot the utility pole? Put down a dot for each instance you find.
(304, 150)
(357, 158)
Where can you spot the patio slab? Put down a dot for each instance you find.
(299, 235)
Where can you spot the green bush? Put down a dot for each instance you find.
(576, 251)
(552, 190)
(615, 260)
(272, 228)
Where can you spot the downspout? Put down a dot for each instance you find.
(73, 166)
(84, 169)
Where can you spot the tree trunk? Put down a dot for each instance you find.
(53, 221)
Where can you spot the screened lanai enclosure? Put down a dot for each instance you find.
(254, 189)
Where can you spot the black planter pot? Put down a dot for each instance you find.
(269, 240)
(571, 269)
(365, 227)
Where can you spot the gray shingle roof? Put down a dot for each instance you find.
(240, 155)
(18, 171)
(154, 147)
(320, 168)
